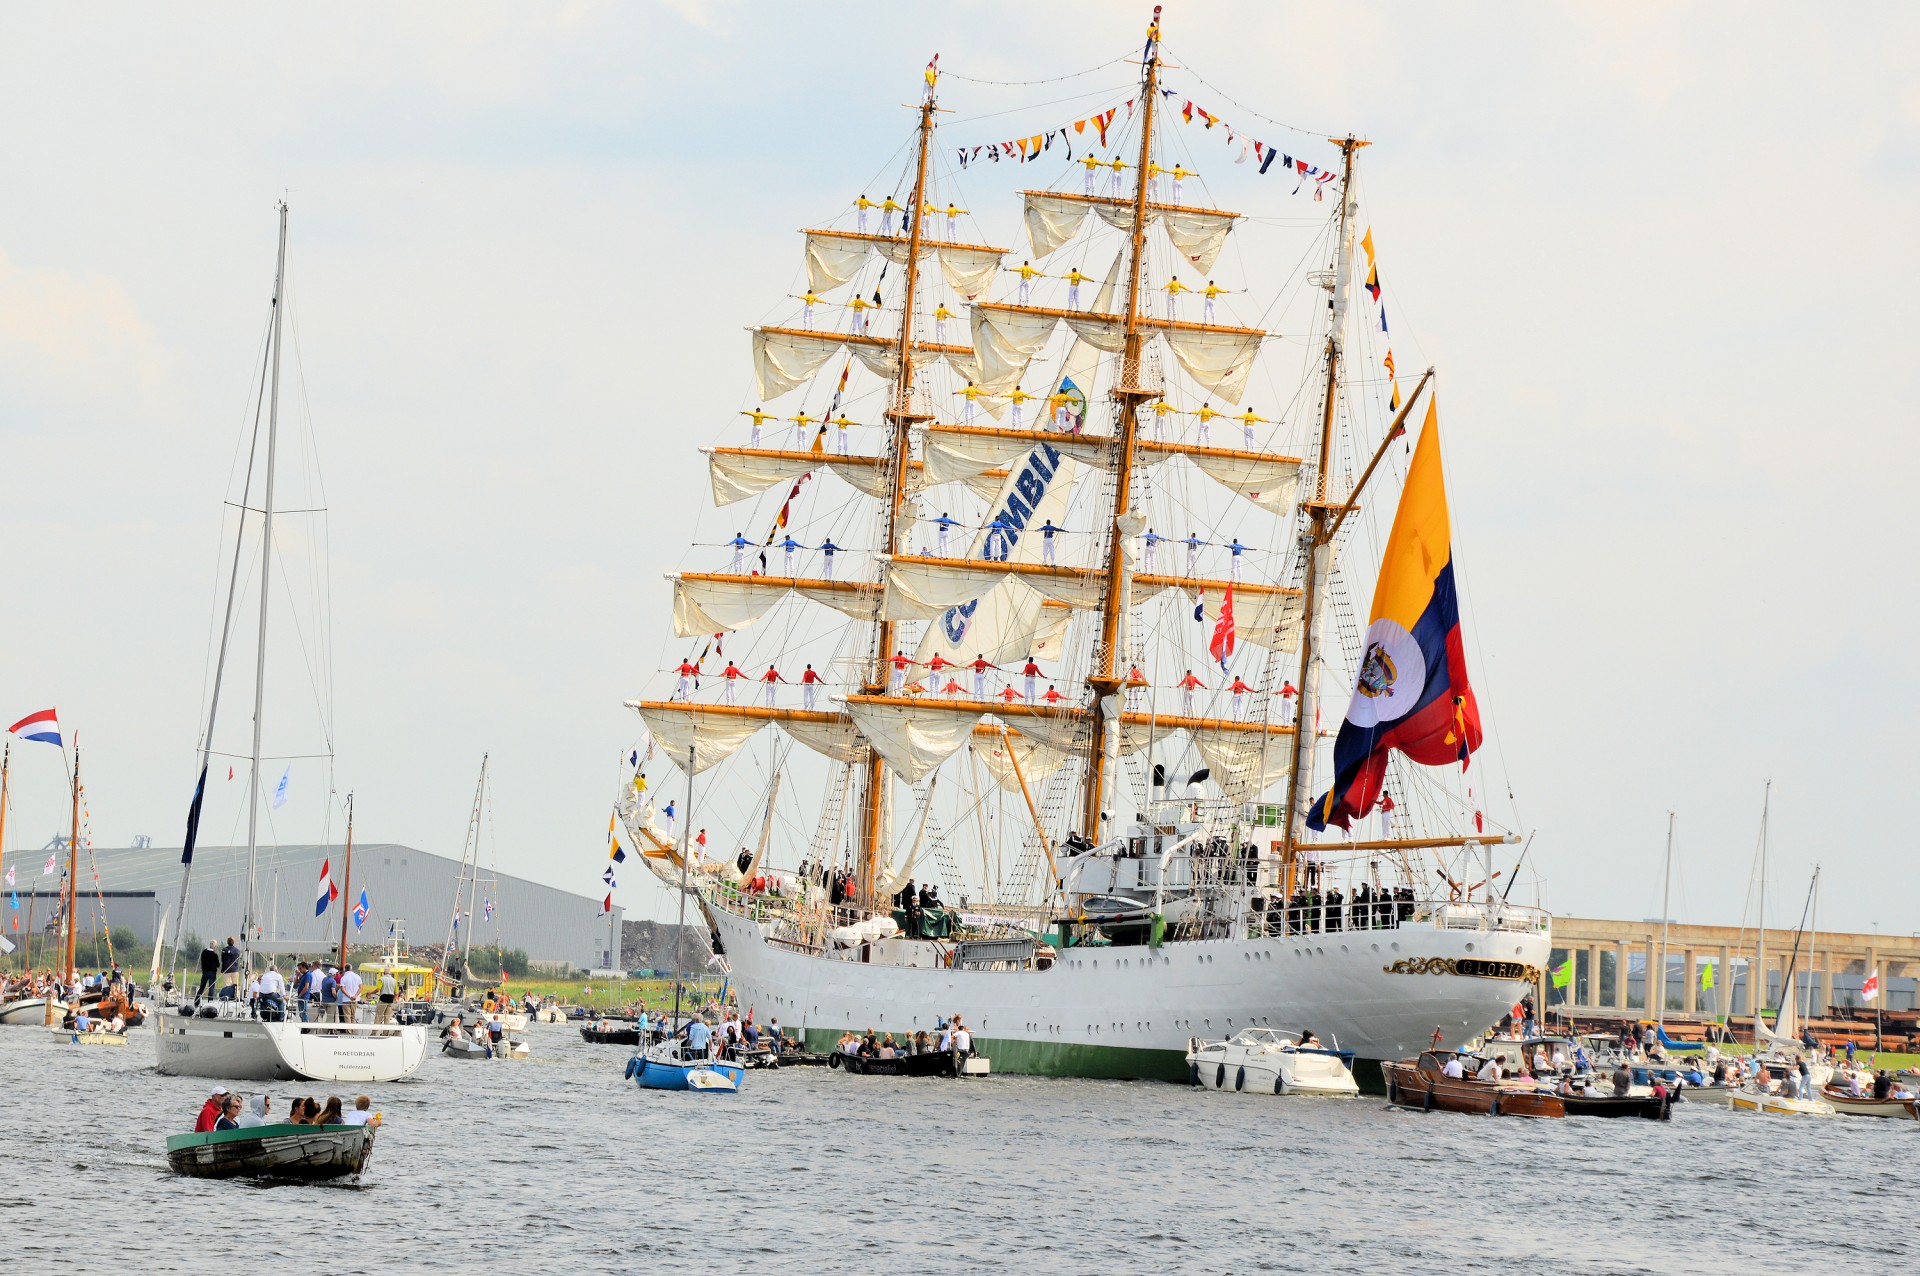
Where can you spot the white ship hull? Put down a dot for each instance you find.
(1131, 1011)
(235, 1049)
(30, 1010)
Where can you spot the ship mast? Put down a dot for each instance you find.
(1323, 517)
(902, 417)
(1105, 678)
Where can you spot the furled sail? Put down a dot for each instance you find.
(718, 731)
(958, 453)
(1053, 218)
(1006, 339)
(835, 256)
(710, 603)
(922, 588)
(784, 358)
(1264, 615)
(914, 738)
(1266, 479)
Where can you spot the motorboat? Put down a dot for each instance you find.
(1717, 1095)
(1422, 1083)
(1269, 1061)
(667, 1065)
(1779, 1104)
(611, 1034)
(307, 1153)
(1651, 1107)
(933, 1063)
(227, 1041)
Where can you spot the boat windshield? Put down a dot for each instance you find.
(1264, 1037)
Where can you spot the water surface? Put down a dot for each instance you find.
(556, 1165)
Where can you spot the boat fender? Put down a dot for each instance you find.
(1276, 1083)
(833, 1060)
(1240, 1079)
(633, 1065)
(1393, 1091)
(1426, 1104)
(1193, 1072)
(1493, 1109)
(1220, 1076)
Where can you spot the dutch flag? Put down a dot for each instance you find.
(328, 891)
(41, 726)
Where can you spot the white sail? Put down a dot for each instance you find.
(1197, 234)
(710, 603)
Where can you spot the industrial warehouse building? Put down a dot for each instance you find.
(405, 886)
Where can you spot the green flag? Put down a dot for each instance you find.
(1563, 973)
(1706, 976)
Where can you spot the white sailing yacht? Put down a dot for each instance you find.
(1137, 867)
(225, 1038)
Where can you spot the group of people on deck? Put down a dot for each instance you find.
(228, 1110)
(953, 1036)
(1372, 907)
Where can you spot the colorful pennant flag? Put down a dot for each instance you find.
(1563, 974)
(360, 910)
(1223, 630)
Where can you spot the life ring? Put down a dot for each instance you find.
(1240, 1079)
(1220, 1076)
(634, 1065)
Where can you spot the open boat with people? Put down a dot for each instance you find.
(1847, 1103)
(231, 1038)
(306, 1153)
(1424, 1083)
(1268, 1061)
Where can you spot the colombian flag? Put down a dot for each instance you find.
(1411, 693)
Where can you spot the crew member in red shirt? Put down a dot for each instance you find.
(732, 673)
(980, 667)
(1032, 672)
(772, 678)
(688, 672)
(1187, 686)
(809, 681)
(1239, 689)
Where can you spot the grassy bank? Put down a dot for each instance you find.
(601, 994)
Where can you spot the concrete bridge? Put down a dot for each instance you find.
(1832, 968)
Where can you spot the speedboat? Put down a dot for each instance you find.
(668, 1066)
(1779, 1104)
(1268, 1061)
(1422, 1083)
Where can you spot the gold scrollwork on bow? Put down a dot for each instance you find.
(1471, 967)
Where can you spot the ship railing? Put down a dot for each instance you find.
(362, 1014)
(1315, 914)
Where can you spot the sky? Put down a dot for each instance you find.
(1663, 258)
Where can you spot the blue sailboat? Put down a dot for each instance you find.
(681, 1062)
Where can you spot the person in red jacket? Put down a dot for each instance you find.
(938, 663)
(1052, 696)
(210, 1110)
(732, 673)
(688, 671)
(1287, 693)
(900, 665)
(980, 666)
(809, 684)
(1239, 690)
(1010, 695)
(1187, 686)
(1032, 673)
(772, 678)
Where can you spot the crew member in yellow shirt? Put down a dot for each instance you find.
(940, 316)
(1028, 274)
(1179, 175)
(1074, 279)
(1206, 415)
(1249, 420)
(1173, 288)
(972, 394)
(1018, 398)
(1210, 292)
(759, 419)
(861, 206)
(800, 424)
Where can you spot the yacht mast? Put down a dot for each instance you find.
(1757, 987)
(1318, 538)
(1666, 893)
(473, 883)
(902, 417)
(1105, 679)
(266, 577)
(73, 869)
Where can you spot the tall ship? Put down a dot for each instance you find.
(1041, 613)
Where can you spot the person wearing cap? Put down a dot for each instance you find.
(329, 994)
(210, 1110)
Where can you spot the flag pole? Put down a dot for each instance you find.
(346, 892)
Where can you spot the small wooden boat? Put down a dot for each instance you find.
(934, 1063)
(1421, 1083)
(97, 1037)
(1628, 1105)
(1718, 1095)
(610, 1036)
(308, 1153)
(1849, 1104)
